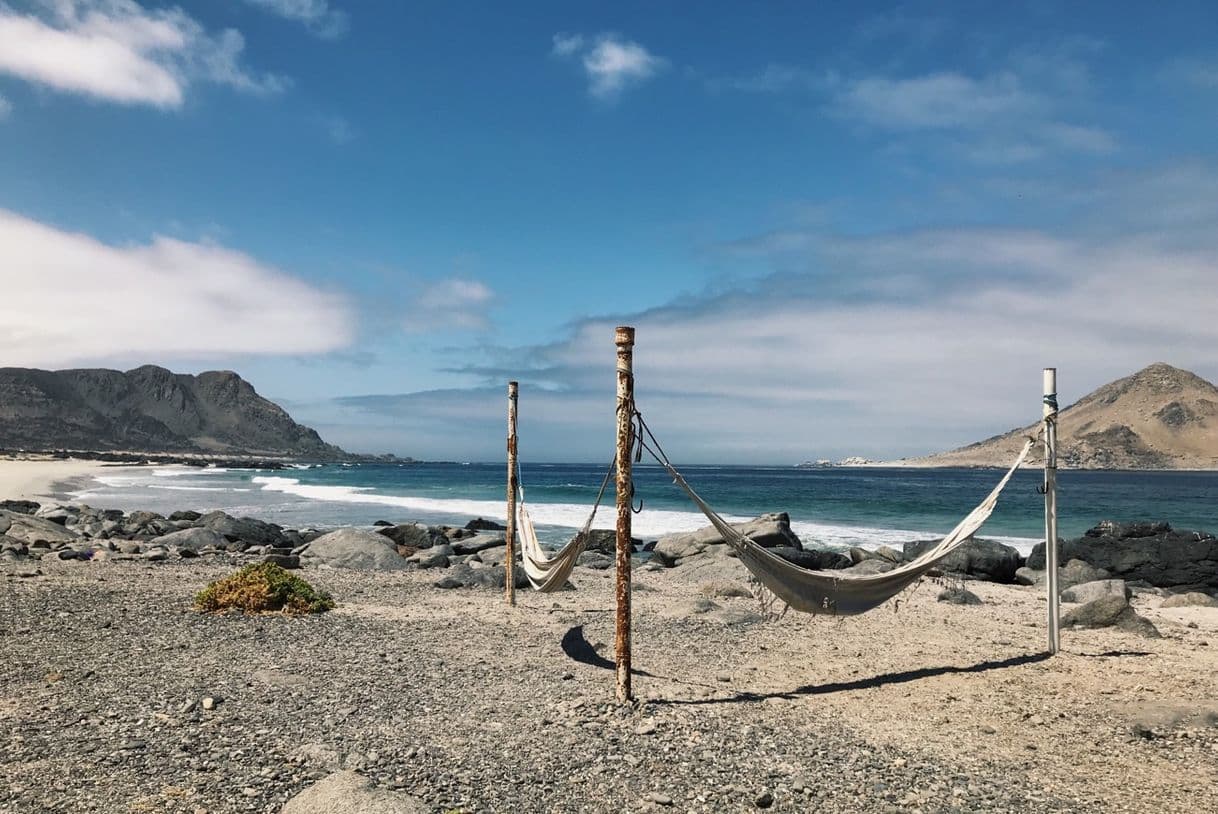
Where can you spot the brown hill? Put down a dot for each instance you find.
(1159, 418)
(149, 409)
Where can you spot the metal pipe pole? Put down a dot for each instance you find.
(509, 559)
(1050, 417)
(624, 338)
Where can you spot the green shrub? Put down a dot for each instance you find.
(263, 588)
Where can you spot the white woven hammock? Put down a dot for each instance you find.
(547, 571)
(832, 592)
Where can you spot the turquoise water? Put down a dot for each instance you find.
(830, 507)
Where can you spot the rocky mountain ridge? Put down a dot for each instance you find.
(149, 409)
(1161, 417)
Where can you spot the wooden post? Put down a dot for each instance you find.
(624, 338)
(1050, 416)
(509, 558)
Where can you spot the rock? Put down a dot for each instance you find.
(605, 541)
(156, 555)
(1028, 576)
(462, 576)
(347, 792)
(319, 755)
(596, 561)
(1077, 572)
(287, 561)
(434, 557)
(20, 506)
(29, 529)
(479, 542)
(724, 589)
(415, 535)
(185, 515)
(959, 595)
(767, 530)
(1110, 611)
(1153, 552)
(983, 559)
(194, 539)
(246, 530)
(813, 559)
(1190, 599)
(208, 703)
(873, 566)
(358, 549)
(1091, 591)
(764, 800)
(479, 524)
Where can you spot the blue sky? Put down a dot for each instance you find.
(858, 229)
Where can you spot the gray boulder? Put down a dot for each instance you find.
(479, 542)
(1077, 572)
(813, 559)
(20, 506)
(1091, 591)
(414, 535)
(868, 567)
(766, 530)
(347, 792)
(463, 576)
(596, 560)
(959, 595)
(1028, 576)
(357, 549)
(247, 530)
(434, 557)
(605, 541)
(191, 539)
(1152, 552)
(479, 524)
(982, 559)
(29, 529)
(1110, 611)
(1190, 599)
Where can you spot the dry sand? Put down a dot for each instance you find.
(34, 478)
(472, 706)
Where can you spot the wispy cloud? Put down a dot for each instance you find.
(196, 300)
(6, 107)
(339, 130)
(1191, 72)
(118, 51)
(463, 302)
(610, 62)
(934, 101)
(317, 15)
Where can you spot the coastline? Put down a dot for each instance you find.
(44, 478)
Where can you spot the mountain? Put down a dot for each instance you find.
(1159, 418)
(148, 409)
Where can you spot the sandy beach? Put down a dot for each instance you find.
(471, 706)
(34, 478)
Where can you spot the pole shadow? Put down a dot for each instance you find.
(577, 648)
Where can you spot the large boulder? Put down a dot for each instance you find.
(1153, 552)
(1190, 599)
(349, 792)
(1091, 591)
(194, 539)
(1110, 611)
(414, 535)
(29, 529)
(605, 541)
(247, 530)
(767, 530)
(983, 559)
(20, 506)
(478, 542)
(1077, 572)
(464, 576)
(813, 559)
(481, 524)
(358, 549)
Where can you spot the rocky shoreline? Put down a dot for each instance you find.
(117, 696)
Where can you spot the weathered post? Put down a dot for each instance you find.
(1050, 417)
(624, 338)
(509, 559)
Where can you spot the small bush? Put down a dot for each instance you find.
(263, 588)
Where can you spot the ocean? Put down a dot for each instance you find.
(832, 508)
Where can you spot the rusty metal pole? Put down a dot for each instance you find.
(1050, 417)
(509, 558)
(624, 338)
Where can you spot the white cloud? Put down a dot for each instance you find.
(118, 51)
(567, 44)
(317, 15)
(339, 130)
(611, 63)
(5, 107)
(71, 299)
(941, 100)
(463, 303)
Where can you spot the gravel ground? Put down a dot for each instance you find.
(116, 697)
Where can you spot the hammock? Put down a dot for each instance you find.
(830, 592)
(549, 572)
